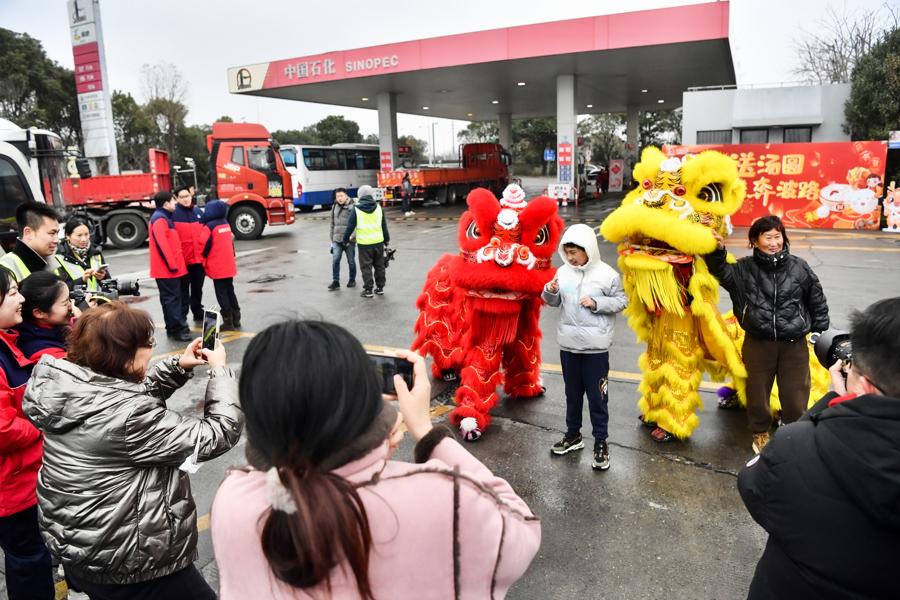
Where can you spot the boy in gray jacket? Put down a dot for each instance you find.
(340, 215)
(590, 293)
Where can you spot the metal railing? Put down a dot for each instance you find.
(748, 86)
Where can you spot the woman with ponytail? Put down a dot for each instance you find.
(322, 511)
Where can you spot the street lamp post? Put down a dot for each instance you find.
(432, 143)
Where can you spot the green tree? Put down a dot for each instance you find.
(299, 137)
(419, 149)
(135, 132)
(873, 109)
(191, 141)
(34, 90)
(479, 131)
(530, 138)
(225, 119)
(372, 138)
(659, 127)
(166, 92)
(605, 135)
(336, 129)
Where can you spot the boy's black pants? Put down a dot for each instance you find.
(225, 294)
(371, 256)
(586, 373)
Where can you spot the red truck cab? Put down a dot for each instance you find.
(249, 175)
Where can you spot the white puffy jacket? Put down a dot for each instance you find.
(580, 329)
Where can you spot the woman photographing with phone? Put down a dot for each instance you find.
(322, 511)
(82, 261)
(115, 498)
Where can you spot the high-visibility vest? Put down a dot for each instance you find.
(76, 272)
(17, 267)
(368, 227)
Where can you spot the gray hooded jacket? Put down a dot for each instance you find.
(113, 505)
(583, 330)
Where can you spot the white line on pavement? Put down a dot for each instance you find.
(249, 252)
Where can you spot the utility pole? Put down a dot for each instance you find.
(432, 143)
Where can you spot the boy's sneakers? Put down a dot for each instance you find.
(408, 213)
(601, 455)
(367, 294)
(570, 441)
(335, 285)
(379, 291)
(351, 283)
(759, 441)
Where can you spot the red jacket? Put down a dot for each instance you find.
(166, 257)
(187, 224)
(21, 444)
(218, 250)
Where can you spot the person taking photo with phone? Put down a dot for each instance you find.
(81, 262)
(323, 511)
(115, 498)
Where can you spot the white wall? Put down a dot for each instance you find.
(819, 107)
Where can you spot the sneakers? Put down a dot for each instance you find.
(335, 285)
(351, 283)
(759, 441)
(367, 294)
(570, 441)
(379, 291)
(408, 213)
(601, 455)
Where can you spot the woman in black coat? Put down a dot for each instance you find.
(778, 300)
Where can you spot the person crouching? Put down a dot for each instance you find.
(219, 262)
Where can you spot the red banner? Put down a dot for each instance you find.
(829, 186)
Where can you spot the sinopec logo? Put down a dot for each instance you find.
(243, 79)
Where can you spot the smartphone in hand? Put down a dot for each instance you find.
(212, 321)
(386, 365)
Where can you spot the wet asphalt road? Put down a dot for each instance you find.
(665, 521)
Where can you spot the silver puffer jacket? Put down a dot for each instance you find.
(113, 505)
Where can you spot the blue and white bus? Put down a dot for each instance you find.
(317, 171)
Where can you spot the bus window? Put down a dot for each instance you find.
(335, 160)
(289, 157)
(314, 159)
(237, 155)
(350, 160)
(370, 159)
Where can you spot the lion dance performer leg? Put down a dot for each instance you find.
(480, 309)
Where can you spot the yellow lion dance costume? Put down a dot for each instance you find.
(664, 229)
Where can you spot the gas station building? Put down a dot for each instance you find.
(622, 63)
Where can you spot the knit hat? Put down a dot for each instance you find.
(365, 190)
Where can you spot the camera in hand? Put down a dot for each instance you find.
(831, 346)
(388, 256)
(110, 289)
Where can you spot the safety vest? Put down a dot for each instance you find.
(17, 267)
(76, 272)
(368, 227)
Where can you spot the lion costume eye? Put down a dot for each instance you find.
(542, 237)
(711, 193)
(472, 232)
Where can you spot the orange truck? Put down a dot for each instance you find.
(247, 173)
(482, 165)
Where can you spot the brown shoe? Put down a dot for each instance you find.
(759, 441)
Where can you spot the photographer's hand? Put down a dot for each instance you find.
(838, 383)
(88, 273)
(215, 358)
(191, 357)
(101, 274)
(415, 404)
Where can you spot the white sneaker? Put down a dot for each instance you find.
(408, 213)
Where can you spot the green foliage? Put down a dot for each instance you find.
(873, 109)
(530, 138)
(605, 135)
(34, 90)
(479, 131)
(372, 138)
(306, 136)
(419, 148)
(335, 129)
(135, 132)
(225, 119)
(658, 128)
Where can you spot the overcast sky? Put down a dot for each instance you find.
(204, 38)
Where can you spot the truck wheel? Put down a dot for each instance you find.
(127, 231)
(247, 222)
(451, 194)
(442, 194)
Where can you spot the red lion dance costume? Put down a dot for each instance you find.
(480, 309)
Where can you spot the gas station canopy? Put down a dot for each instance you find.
(640, 60)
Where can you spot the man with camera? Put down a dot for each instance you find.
(827, 487)
(38, 225)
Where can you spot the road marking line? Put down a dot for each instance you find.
(249, 252)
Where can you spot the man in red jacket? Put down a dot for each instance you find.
(218, 259)
(167, 265)
(186, 217)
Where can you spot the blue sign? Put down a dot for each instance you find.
(894, 140)
(565, 173)
(549, 154)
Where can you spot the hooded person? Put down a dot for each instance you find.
(589, 293)
(219, 260)
(368, 227)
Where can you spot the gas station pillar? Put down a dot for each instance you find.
(387, 127)
(505, 137)
(632, 120)
(566, 125)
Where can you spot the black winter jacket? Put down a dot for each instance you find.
(776, 297)
(827, 490)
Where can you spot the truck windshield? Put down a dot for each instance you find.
(258, 161)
